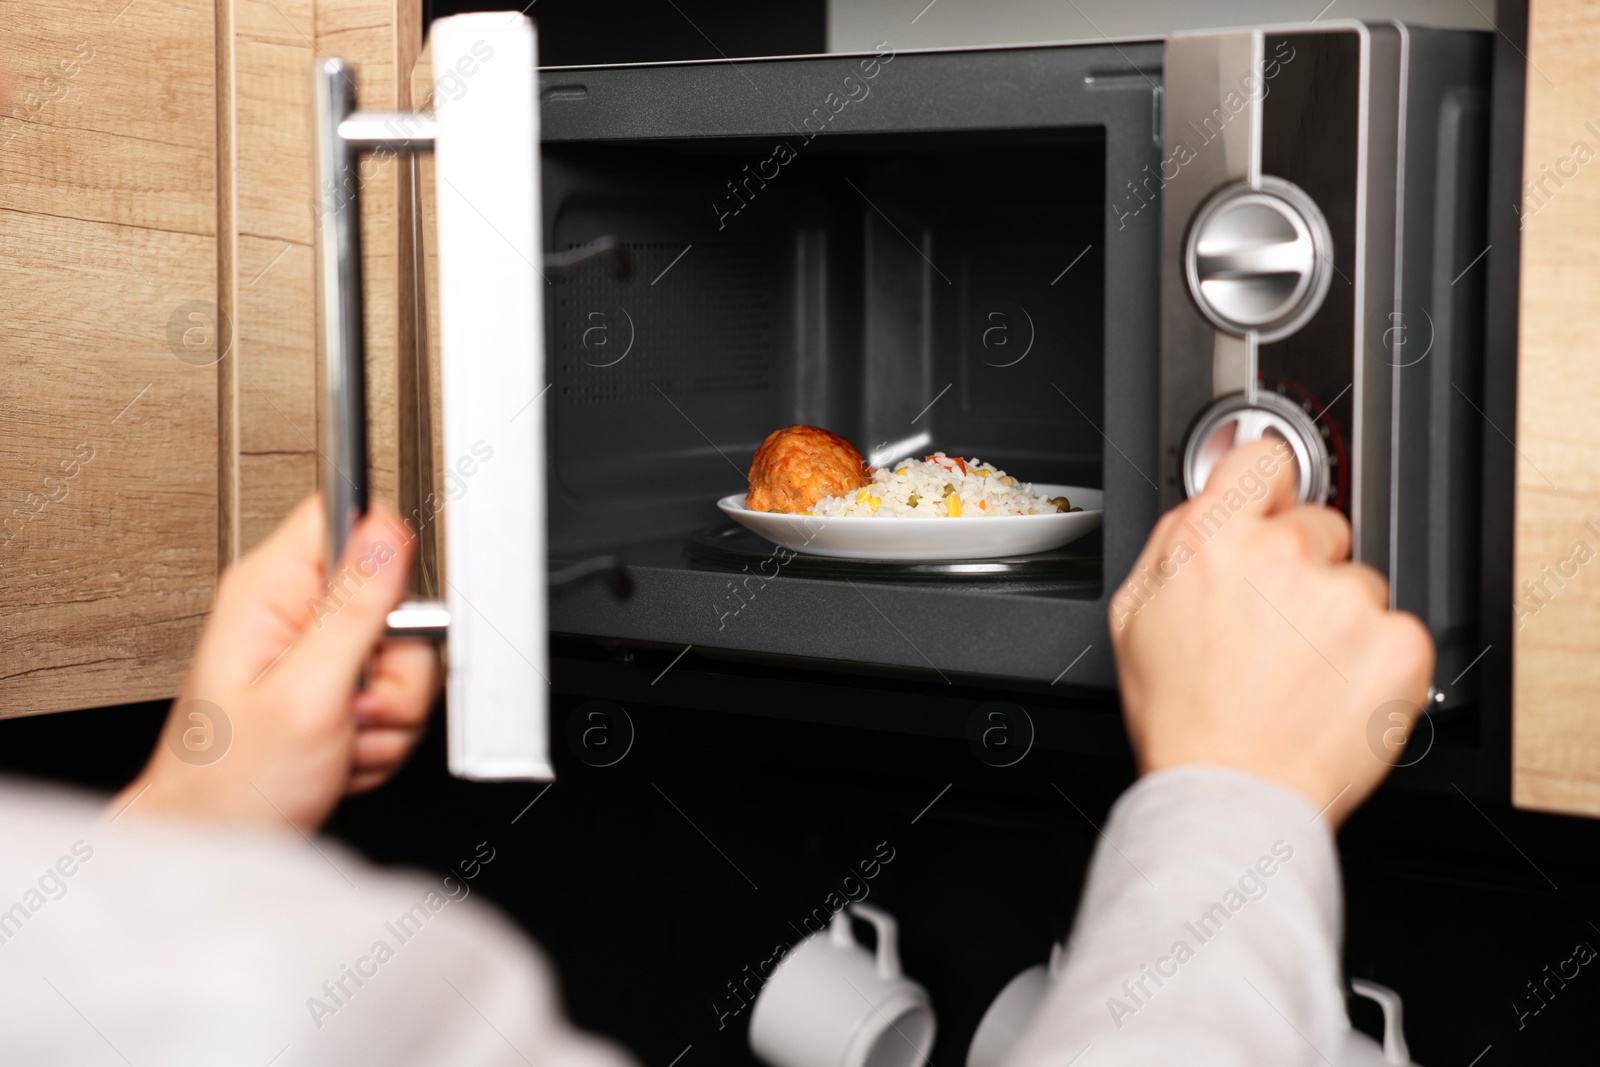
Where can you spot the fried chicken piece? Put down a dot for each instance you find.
(798, 466)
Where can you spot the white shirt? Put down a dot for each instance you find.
(174, 946)
(1208, 934)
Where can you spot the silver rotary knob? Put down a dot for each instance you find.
(1259, 259)
(1234, 420)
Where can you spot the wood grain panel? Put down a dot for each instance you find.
(421, 497)
(110, 117)
(276, 481)
(284, 22)
(147, 76)
(275, 273)
(108, 439)
(276, 186)
(107, 464)
(97, 173)
(278, 380)
(227, 206)
(1556, 732)
(101, 177)
(277, 343)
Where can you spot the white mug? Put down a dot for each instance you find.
(1011, 1012)
(831, 1004)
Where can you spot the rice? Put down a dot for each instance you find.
(938, 487)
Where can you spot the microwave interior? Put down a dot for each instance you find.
(910, 274)
(900, 285)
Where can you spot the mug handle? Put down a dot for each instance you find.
(1394, 1035)
(888, 958)
(839, 930)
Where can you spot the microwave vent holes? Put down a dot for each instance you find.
(705, 328)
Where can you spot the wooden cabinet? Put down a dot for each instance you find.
(108, 374)
(158, 388)
(1556, 607)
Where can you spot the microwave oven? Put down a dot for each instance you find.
(1096, 264)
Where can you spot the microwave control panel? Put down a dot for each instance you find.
(1276, 150)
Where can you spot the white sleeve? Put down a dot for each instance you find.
(169, 944)
(1208, 933)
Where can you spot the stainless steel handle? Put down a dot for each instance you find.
(428, 619)
(344, 436)
(398, 131)
(342, 134)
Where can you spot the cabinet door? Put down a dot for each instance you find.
(1556, 594)
(108, 359)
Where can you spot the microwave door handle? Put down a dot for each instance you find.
(344, 406)
(494, 616)
(342, 134)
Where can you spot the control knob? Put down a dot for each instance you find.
(1234, 420)
(1259, 258)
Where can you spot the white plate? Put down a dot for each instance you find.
(980, 537)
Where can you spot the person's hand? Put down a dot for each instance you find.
(269, 725)
(1245, 639)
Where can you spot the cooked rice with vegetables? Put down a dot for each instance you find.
(939, 487)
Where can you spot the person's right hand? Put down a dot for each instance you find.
(274, 682)
(1245, 638)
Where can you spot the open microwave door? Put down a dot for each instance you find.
(492, 384)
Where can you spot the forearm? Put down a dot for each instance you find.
(1208, 933)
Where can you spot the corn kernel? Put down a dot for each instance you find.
(902, 470)
(873, 502)
(952, 506)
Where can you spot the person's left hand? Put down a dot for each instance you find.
(269, 725)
